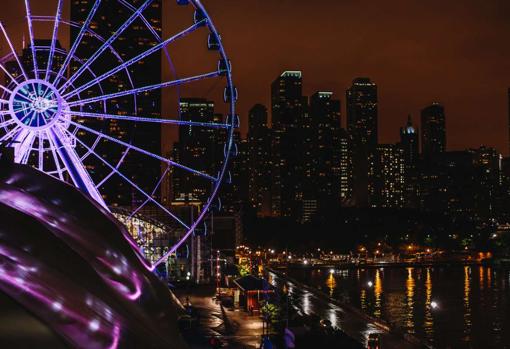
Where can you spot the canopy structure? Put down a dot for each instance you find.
(70, 275)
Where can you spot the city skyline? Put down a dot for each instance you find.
(448, 59)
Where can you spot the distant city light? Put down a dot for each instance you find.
(434, 305)
(331, 271)
(305, 262)
(370, 284)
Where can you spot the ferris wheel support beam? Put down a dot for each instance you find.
(22, 144)
(55, 156)
(77, 172)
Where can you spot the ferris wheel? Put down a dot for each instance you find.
(87, 114)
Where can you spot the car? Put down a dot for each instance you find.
(374, 341)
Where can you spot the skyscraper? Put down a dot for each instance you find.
(362, 126)
(325, 116)
(134, 40)
(197, 149)
(410, 146)
(288, 106)
(362, 112)
(346, 180)
(433, 130)
(259, 159)
(386, 176)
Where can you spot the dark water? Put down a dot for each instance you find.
(473, 302)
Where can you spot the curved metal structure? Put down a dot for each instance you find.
(58, 107)
(70, 267)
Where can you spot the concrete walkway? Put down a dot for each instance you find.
(237, 328)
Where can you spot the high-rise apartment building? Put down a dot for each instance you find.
(288, 110)
(362, 118)
(259, 160)
(197, 148)
(433, 130)
(327, 171)
(410, 146)
(386, 176)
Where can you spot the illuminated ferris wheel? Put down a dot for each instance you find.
(87, 114)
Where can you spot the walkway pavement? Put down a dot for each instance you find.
(237, 328)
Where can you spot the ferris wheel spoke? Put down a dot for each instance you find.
(54, 36)
(7, 122)
(144, 89)
(142, 17)
(77, 42)
(134, 60)
(105, 45)
(130, 182)
(11, 134)
(13, 52)
(142, 151)
(119, 163)
(5, 89)
(55, 156)
(31, 35)
(145, 119)
(9, 74)
(152, 193)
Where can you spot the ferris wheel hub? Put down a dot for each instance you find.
(35, 104)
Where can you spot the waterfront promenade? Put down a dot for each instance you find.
(352, 322)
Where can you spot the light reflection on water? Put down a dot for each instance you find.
(410, 300)
(474, 301)
(378, 289)
(467, 305)
(428, 324)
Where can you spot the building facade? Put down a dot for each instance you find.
(362, 119)
(386, 176)
(433, 130)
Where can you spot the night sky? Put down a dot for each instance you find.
(454, 51)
